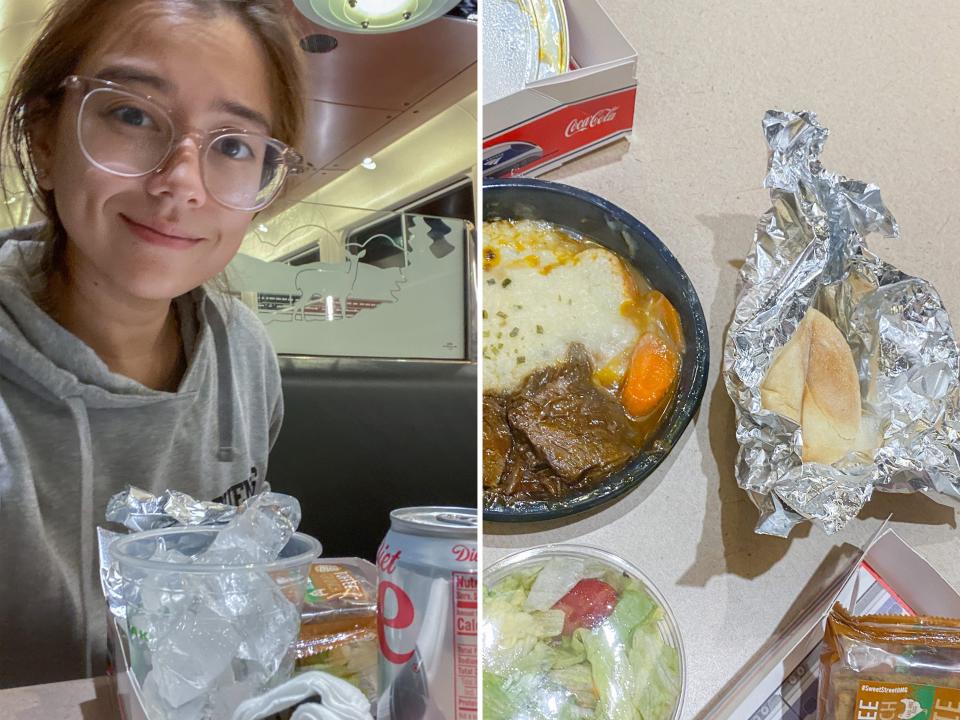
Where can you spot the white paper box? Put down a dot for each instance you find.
(118, 668)
(556, 119)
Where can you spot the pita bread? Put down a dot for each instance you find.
(813, 381)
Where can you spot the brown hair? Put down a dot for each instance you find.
(70, 27)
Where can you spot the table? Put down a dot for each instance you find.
(882, 75)
(71, 700)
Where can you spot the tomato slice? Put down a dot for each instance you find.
(588, 604)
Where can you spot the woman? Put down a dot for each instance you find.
(150, 132)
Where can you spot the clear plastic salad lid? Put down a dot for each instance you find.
(576, 633)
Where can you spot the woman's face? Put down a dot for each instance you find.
(161, 235)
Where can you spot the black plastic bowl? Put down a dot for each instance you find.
(594, 218)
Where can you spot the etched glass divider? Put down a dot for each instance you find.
(339, 281)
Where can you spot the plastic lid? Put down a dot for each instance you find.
(136, 550)
(556, 591)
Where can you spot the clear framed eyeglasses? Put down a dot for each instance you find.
(129, 134)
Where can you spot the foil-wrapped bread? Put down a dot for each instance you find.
(843, 369)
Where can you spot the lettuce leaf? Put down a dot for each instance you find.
(511, 635)
(633, 609)
(569, 651)
(656, 672)
(611, 672)
(522, 580)
(526, 696)
(497, 704)
(578, 680)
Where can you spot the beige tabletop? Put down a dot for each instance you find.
(884, 77)
(72, 700)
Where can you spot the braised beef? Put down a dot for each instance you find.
(566, 432)
(497, 440)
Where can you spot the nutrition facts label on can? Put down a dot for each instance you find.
(465, 644)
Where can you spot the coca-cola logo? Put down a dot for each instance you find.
(464, 553)
(600, 117)
(387, 561)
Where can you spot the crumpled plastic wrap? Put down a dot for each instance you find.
(810, 250)
(211, 616)
(140, 510)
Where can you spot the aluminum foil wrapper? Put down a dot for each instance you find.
(810, 250)
(139, 510)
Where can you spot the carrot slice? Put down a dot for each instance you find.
(652, 372)
(668, 317)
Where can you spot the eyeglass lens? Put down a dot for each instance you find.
(128, 135)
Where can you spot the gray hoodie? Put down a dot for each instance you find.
(72, 433)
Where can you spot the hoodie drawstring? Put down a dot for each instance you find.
(90, 599)
(226, 451)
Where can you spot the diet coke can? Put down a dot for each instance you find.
(427, 615)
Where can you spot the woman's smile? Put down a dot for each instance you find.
(158, 233)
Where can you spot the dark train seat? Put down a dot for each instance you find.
(362, 437)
